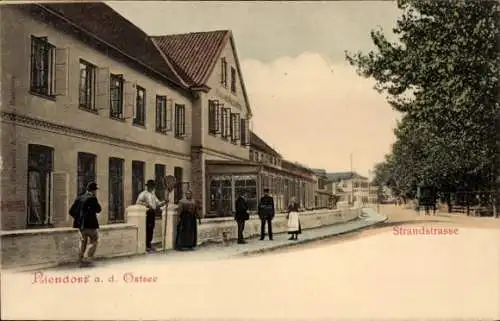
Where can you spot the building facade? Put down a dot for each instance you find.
(80, 104)
(221, 115)
(324, 196)
(350, 187)
(265, 169)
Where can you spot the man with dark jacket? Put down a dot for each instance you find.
(241, 215)
(84, 212)
(266, 214)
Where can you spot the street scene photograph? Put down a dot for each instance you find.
(250, 160)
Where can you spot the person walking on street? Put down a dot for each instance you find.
(241, 215)
(294, 228)
(84, 212)
(148, 198)
(266, 214)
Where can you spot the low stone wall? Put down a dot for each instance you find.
(33, 248)
(222, 229)
(24, 248)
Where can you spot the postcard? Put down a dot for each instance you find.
(250, 160)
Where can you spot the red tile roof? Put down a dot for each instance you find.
(107, 26)
(195, 53)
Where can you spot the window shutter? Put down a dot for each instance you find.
(129, 101)
(231, 125)
(60, 196)
(237, 131)
(158, 113)
(103, 98)
(183, 109)
(211, 116)
(61, 71)
(228, 122)
(221, 120)
(217, 117)
(169, 111)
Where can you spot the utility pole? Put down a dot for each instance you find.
(352, 179)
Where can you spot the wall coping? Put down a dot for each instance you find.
(255, 217)
(62, 229)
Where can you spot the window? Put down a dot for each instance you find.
(115, 198)
(225, 123)
(138, 183)
(116, 95)
(235, 127)
(178, 191)
(248, 185)
(140, 107)
(87, 85)
(213, 117)
(163, 115)
(221, 200)
(42, 66)
(251, 155)
(233, 80)
(40, 167)
(223, 79)
(244, 132)
(160, 173)
(86, 171)
(180, 120)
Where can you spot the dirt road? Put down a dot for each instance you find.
(399, 216)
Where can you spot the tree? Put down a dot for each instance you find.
(443, 77)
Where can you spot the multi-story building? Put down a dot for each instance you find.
(350, 187)
(86, 96)
(208, 62)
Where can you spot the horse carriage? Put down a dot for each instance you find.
(427, 196)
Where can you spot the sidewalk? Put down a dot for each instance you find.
(231, 249)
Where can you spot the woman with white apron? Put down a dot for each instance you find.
(294, 228)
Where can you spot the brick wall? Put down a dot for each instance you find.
(23, 248)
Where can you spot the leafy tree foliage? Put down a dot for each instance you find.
(442, 76)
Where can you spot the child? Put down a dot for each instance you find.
(294, 228)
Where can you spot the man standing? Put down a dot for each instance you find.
(149, 199)
(84, 212)
(266, 214)
(241, 216)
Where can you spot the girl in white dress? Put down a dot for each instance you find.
(294, 228)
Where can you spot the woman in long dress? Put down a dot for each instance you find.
(187, 228)
(294, 228)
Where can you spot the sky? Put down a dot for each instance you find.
(308, 102)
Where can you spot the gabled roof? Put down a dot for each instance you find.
(103, 24)
(260, 144)
(197, 53)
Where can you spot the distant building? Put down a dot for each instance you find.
(324, 196)
(350, 187)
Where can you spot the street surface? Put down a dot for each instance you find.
(369, 274)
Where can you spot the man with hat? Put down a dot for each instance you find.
(148, 198)
(84, 212)
(266, 214)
